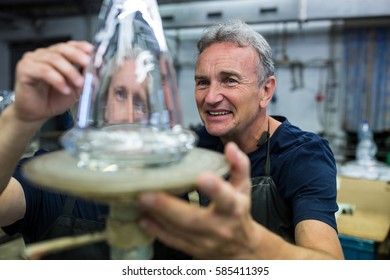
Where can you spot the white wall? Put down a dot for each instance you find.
(300, 105)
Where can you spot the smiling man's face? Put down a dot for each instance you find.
(226, 91)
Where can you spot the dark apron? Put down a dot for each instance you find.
(268, 207)
(67, 225)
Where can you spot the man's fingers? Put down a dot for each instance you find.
(218, 191)
(82, 45)
(33, 71)
(227, 195)
(57, 65)
(76, 52)
(66, 60)
(239, 167)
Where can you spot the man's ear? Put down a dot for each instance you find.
(267, 91)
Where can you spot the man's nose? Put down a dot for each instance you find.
(215, 93)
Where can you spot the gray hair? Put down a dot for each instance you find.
(240, 33)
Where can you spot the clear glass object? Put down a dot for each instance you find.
(366, 165)
(129, 113)
(366, 148)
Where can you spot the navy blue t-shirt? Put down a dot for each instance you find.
(302, 166)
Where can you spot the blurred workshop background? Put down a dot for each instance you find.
(332, 66)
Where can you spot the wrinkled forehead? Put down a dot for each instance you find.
(227, 56)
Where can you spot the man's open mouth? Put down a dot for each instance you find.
(220, 113)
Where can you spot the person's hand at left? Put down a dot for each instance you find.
(48, 80)
(223, 230)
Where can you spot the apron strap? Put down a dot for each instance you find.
(265, 139)
(268, 161)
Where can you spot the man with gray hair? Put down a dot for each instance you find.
(281, 203)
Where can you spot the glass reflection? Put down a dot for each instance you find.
(129, 112)
(128, 102)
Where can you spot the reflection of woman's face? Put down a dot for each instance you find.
(127, 100)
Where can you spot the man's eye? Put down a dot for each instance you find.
(120, 94)
(201, 83)
(231, 82)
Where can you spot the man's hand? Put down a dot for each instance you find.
(223, 230)
(48, 81)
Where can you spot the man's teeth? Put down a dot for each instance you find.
(218, 113)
